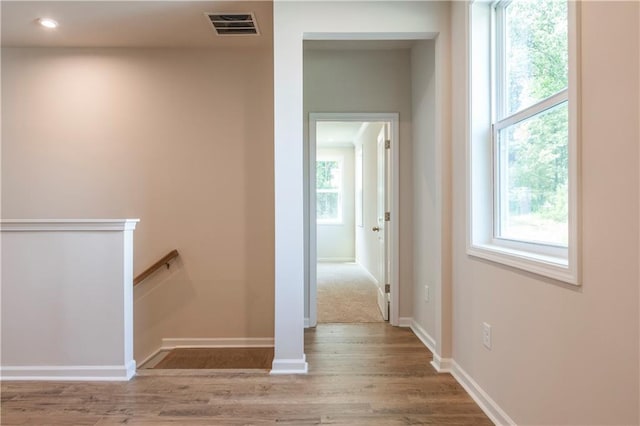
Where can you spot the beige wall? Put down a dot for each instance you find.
(564, 355)
(369, 81)
(183, 140)
(426, 245)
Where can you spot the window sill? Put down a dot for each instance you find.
(330, 223)
(557, 268)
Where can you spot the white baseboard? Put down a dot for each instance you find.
(214, 342)
(69, 372)
(210, 342)
(424, 337)
(405, 321)
(448, 365)
(306, 322)
(488, 405)
(368, 273)
(442, 365)
(290, 366)
(336, 259)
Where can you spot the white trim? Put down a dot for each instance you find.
(394, 273)
(480, 180)
(71, 372)
(336, 259)
(290, 366)
(170, 343)
(224, 342)
(150, 357)
(449, 365)
(533, 110)
(40, 225)
(307, 322)
(369, 274)
(424, 337)
(370, 36)
(442, 365)
(484, 401)
(405, 322)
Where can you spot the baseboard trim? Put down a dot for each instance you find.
(150, 357)
(368, 273)
(70, 372)
(484, 401)
(224, 342)
(209, 342)
(336, 259)
(424, 337)
(449, 365)
(307, 322)
(290, 366)
(442, 365)
(405, 321)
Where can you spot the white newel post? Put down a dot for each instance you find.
(67, 299)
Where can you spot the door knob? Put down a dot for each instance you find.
(376, 228)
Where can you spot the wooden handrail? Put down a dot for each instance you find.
(151, 269)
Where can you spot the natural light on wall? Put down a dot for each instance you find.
(523, 135)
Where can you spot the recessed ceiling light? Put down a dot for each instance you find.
(47, 22)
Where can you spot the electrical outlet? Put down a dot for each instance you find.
(426, 293)
(486, 335)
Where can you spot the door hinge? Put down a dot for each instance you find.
(387, 216)
(387, 144)
(387, 288)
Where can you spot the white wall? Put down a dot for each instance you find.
(564, 355)
(181, 139)
(426, 228)
(367, 245)
(369, 81)
(67, 296)
(336, 241)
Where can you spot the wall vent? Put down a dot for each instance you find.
(234, 24)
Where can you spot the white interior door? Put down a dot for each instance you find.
(381, 228)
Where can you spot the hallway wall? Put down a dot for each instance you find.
(563, 354)
(368, 81)
(183, 140)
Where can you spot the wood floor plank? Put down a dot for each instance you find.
(360, 374)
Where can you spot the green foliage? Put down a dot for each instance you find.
(537, 149)
(326, 172)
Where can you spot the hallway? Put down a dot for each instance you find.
(359, 374)
(346, 294)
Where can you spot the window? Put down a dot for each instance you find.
(329, 191)
(523, 180)
(532, 127)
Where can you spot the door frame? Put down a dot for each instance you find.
(394, 186)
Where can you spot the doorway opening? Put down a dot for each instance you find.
(352, 235)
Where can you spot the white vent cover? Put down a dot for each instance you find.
(234, 24)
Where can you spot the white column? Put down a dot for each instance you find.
(289, 228)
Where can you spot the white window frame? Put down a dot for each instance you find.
(340, 219)
(559, 263)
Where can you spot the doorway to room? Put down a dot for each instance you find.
(350, 226)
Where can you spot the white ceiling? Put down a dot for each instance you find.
(112, 23)
(337, 132)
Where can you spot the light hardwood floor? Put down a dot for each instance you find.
(360, 374)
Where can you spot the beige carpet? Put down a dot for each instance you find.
(346, 293)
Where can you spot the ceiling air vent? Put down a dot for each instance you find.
(234, 23)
